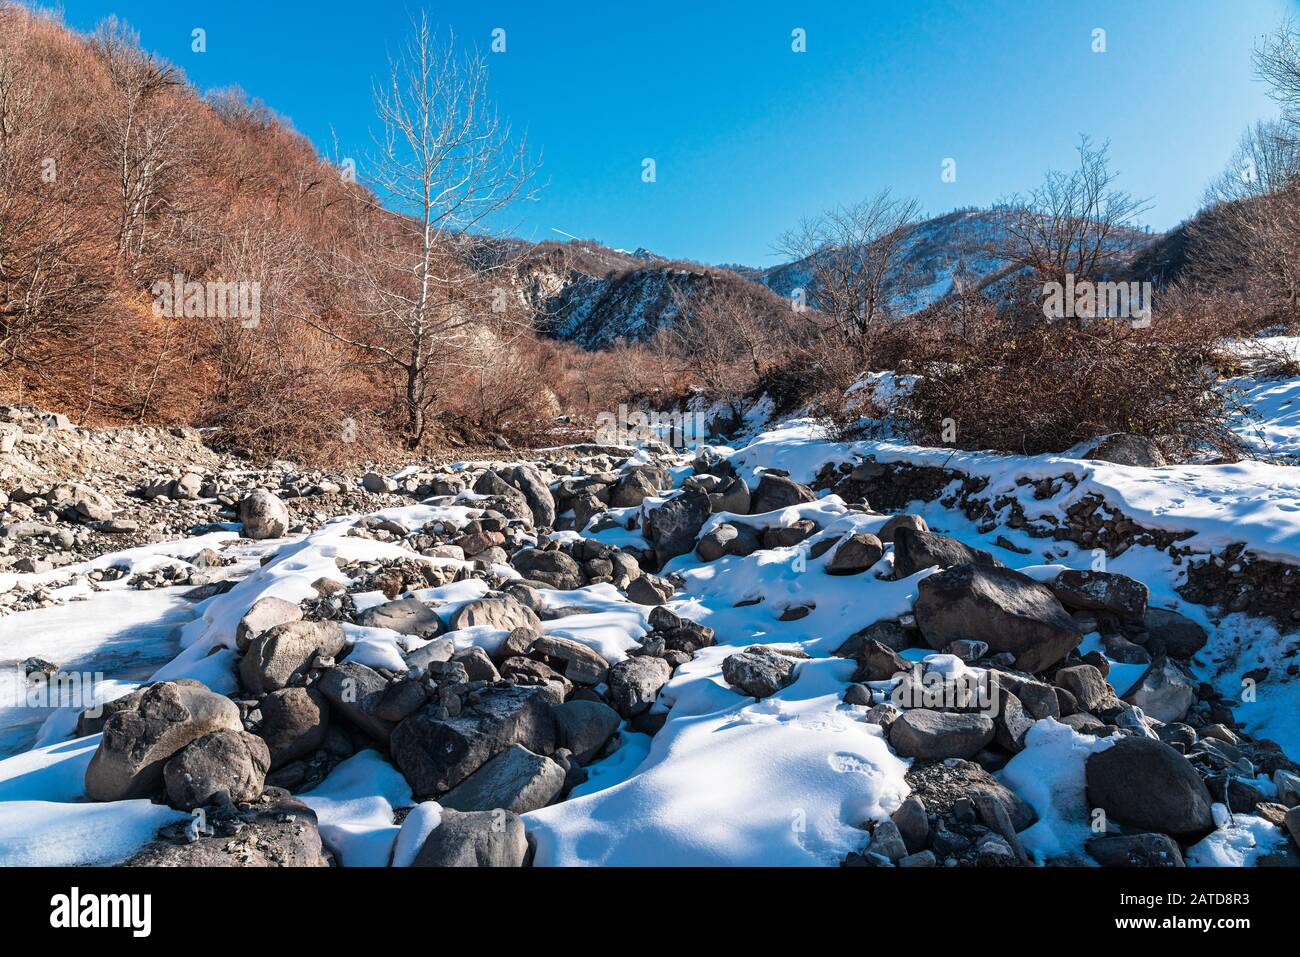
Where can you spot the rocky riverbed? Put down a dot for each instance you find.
(598, 655)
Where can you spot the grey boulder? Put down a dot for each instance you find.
(475, 839)
(224, 766)
(1181, 636)
(264, 516)
(916, 550)
(516, 779)
(758, 674)
(727, 539)
(935, 735)
(855, 554)
(1165, 691)
(1101, 591)
(634, 683)
(1005, 609)
(775, 491)
(357, 693)
(138, 742)
(1135, 850)
(673, 526)
(406, 616)
(502, 612)
(264, 615)
(549, 566)
(294, 723)
(1149, 785)
(435, 754)
(282, 655)
(584, 727)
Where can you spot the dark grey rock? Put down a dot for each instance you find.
(915, 550)
(475, 839)
(855, 555)
(758, 674)
(775, 492)
(1149, 785)
(934, 735)
(224, 766)
(634, 683)
(406, 616)
(294, 723)
(435, 754)
(1135, 850)
(584, 727)
(282, 655)
(1005, 609)
(1101, 591)
(516, 779)
(674, 525)
(138, 742)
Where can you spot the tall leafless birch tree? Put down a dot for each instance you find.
(444, 166)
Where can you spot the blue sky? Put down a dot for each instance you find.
(748, 135)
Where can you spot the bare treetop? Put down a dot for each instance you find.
(855, 254)
(1075, 223)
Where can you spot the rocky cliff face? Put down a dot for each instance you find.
(594, 296)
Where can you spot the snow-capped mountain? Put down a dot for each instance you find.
(592, 295)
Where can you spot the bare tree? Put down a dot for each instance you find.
(1076, 223)
(1249, 237)
(446, 163)
(1277, 63)
(143, 134)
(48, 279)
(855, 256)
(723, 335)
(1266, 161)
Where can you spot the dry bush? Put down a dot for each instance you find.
(1034, 385)
(726, 335)
(149, 181)
(856, 255)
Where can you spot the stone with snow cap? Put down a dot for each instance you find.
(265, 613)
(758, 673)
(1007, 610)
(1101, 591)
(916, 550)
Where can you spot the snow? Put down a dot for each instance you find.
(47, 834)
(416, 828)
(633, 749)
(787, 781)
(354, 809)
(1238, 840)
(610, 628)
(1257, 503)
(54, 772)
(791, 780)
(120, 632)
(1049, 774)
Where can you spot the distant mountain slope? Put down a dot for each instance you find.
(955, 247)
(594, 296)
